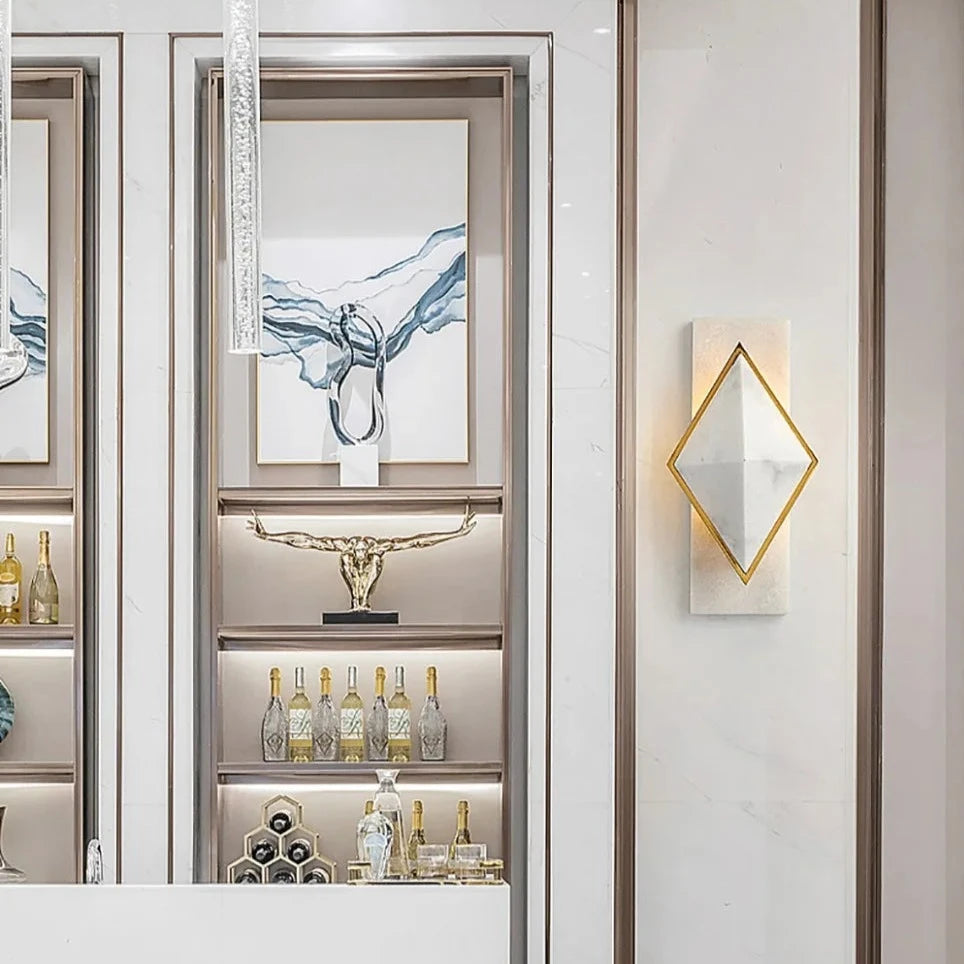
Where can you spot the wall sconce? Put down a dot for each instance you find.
(742, 463)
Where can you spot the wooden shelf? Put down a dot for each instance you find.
(362, 774)
(36, 637)
(41, 499)
(256, 639)
(382, 500)
(36, 772)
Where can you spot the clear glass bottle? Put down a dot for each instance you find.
(378, 720)
(299, 721)
(389, 803)
(400, 721)
(417, 837)
(44, 602)
(324, 723)
(351, 721)
(274, 726)
(11, 579)
(432, 727)
(462, 835)
(375, 840)
(8, 874)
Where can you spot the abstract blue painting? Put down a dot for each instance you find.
(371, 214)
(24, 405)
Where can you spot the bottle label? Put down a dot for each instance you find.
(351, 724)
(399, 725)
(9, 594)
(299, 725)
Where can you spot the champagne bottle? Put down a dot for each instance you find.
(299, 721)
(432, 727)
(324, 723)
(44, 595)
(462, 835)
(352, 722)
(274, 726)
(417, 837)
(378, 720)
(400, 721)
(11, 576)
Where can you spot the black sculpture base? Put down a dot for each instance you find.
(363, 617)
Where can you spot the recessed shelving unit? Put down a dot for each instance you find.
(262, 603)
(49, 807)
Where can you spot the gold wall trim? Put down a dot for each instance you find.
(624, 836)
(870, 513)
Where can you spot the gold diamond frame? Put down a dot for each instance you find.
(744, 574)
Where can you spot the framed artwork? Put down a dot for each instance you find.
(373, 214)
(25, 405)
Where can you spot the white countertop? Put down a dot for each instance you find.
(241, 924)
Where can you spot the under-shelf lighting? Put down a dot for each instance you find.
(295, 787)
(31, 518)
(242, 161)
(40, 651)
(13, 354)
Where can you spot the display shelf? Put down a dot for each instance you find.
(36, 637)
(361, 773)
(254, 639)
(11, 772)
(44, 499)
(351, 501)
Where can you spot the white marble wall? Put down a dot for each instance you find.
(748, 207)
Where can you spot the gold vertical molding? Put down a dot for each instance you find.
(624, 836)
(870, 481)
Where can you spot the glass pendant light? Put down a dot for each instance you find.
(13, 354)
(242, 161)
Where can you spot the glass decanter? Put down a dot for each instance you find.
(274, 726)
(8, 874)
(389, 803)
(324, 723)
(432, 727)
(375, 840)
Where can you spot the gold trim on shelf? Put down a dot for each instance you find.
(744, 574)
(48, 498)
(362, 773)
(358, 638)
(37, 637)
(13, 773)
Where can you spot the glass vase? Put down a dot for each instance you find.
(389, 803)
(8, 874)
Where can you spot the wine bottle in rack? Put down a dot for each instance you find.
(274, 726)
(400, 721)
(299, 721)
(462, 835)
(378, 720)
(299, 850)
(417, 837)
(44, 600)
(351, 721)
(264, 851)
(432, 726)
(11, 578)
(324, 724)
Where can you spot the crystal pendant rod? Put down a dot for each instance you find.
(242, 160)
(5, 83)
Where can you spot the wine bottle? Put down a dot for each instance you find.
(352, 722)
(316, 876)
(324, 723)
(462, 835)
(299, 721)
(274, 726)
(400, 721)
(299, 850)
(374, 840)
(378, 720)
(283, 875)
(264, 851)
(44, 596)
(417, 837)
(281, 821)
(11, 577)
(432, 727)
(249, 876)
